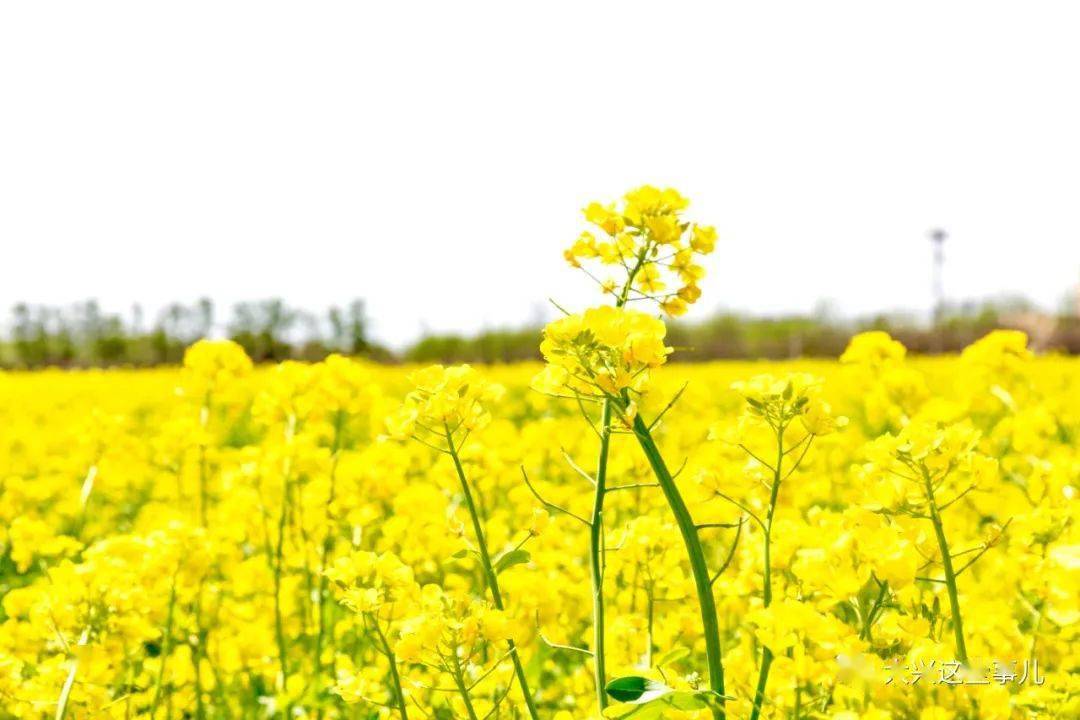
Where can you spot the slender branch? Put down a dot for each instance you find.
(576, 467)
(750, 452)
(989, 544)
(741, 506)
(794, 467)
(945, 506)
(69, 682)
(395, 677)
(433, 447)
(730, 555)
(559, 307)
(868, 621)
(670, 404)
(946, 564)
(568, 648)
(797, 445)
(488, 672)
(498, 703)
(585, 415)
(490, 575)
(552, 505)
(705, 526)
(632, 486)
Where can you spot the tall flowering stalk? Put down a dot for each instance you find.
(344, 391)
(443, 410)
(790, 413)
(606, 354)
(927, 468)
(283, 406)
(210, 369)
(644, 252)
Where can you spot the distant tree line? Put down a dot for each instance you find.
(270, 330)
(727, 335)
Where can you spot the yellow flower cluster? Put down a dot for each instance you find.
(443, 402)
(654, 251)
(603, 352)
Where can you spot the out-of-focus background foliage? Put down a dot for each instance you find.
(273, 330)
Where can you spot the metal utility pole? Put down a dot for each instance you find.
(937, 240)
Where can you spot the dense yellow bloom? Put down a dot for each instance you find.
(214, 364)
(444, 400)
(873, 348)
(603, 352)
(252, 546)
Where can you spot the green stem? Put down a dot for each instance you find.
(204, 421)
(762, 681)
(197, 653)
(596, 530)
(766, 653)
(327, 549)
(204, 502)
(395, 677)
(596, 550)
(868, 621)
(69, 683)
(489, 571)
(459, 680)
(650, 616)
(166, 648)
(694, 552)
(947, 566)
(279, 562)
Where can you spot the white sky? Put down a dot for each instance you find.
(433, 158)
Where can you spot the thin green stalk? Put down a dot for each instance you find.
(204, 421)
(947, 566)
(166, 648)
(394, 675)
(204, 500)
(279, 562)
(868, 621)
(766, 652)
(327, 550)
(698, 568)
(69, 683)
(130, 690)
(489, 571)
(197, 654)
(459, 680)
(650, 616)
(596, 527)
(596, 550)
(279, 625)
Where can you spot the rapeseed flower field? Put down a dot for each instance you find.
(605, 534)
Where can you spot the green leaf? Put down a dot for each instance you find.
(514, 557)
(460, 554)
(631, 688)
(645, 699)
